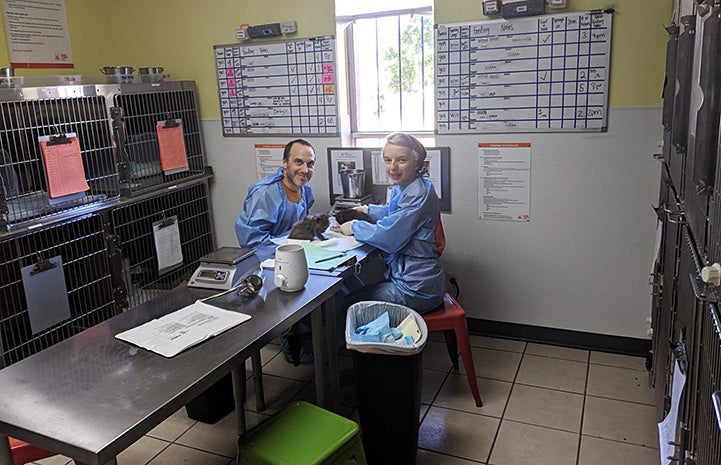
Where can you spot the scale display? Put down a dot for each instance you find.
(213, 275)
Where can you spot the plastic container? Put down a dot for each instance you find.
(388, 384)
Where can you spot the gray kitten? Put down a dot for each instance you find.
(309, 227)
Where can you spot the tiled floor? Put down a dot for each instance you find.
(543, 405)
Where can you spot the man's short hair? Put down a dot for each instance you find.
(286, 150)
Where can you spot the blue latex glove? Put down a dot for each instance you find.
(378, 330)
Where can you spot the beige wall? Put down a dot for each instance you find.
(176, 34)
(638, 47)
(179, 35)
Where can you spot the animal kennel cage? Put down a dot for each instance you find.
(705, 428)
(137, 110)
(186, 206)
(81, 242)
(30, 113)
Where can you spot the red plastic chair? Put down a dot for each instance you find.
(23, 452)
(450, 318)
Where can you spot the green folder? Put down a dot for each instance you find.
(319, 258)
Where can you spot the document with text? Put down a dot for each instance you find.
(177, 331)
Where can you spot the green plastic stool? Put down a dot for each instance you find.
(302, 434)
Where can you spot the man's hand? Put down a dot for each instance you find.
(361, 208)
(347, 227)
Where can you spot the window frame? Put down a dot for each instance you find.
(349, 49)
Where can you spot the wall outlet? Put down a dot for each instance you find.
(556, 3)
(288, 27)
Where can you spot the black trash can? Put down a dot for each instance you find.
(214, 403)
(388, 383)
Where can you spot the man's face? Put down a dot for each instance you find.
(298, 168)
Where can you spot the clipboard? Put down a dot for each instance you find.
(46, 293)
(173, 156)
(63, 164)
(168, 249)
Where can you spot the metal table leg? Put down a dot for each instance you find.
(325, 354)
(258, 378)
(238, 375)
(6, 456)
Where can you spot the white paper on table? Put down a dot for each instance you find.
(667, 428)
(177, 331)
(336, 241)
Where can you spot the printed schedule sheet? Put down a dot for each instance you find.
(278, 88)
(546, 73)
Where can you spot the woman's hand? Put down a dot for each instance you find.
(347, 227)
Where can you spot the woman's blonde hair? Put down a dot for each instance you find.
(411, 143)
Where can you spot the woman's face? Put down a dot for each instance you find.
(399, 163)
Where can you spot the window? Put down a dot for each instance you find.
(389, 69)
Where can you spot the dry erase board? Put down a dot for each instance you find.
(278, 88)
(542, 73)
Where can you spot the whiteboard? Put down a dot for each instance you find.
(543, 73)
(278, 88)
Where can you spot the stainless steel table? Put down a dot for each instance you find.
(91, 396)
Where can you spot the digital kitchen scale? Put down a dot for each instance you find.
(224, 268)
(342, 203)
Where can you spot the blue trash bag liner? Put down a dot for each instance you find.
(363, 313)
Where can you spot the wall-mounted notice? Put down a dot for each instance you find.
(543, 73)
(278, 88)
(504, 181)
(344, 159)
(37, 34)
(268, 158)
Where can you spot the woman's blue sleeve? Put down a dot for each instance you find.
(394, 231)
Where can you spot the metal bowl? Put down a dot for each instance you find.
(151, 70)
(117, 70)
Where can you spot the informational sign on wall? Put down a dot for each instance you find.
(268, 158)
(543, 73)
(504, 181)
(278, 88)
(37, 34)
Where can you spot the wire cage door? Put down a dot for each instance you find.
(81, 243)
(189, 208)
(24, 168)
(140, 112)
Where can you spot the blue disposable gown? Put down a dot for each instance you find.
(405, 230)
(267, 212)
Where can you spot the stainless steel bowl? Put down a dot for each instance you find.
(151, 70)
(152, 74)
(117, 70)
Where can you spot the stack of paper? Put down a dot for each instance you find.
(184, 328)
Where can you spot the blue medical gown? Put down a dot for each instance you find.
(267, 212)
(405, 230)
